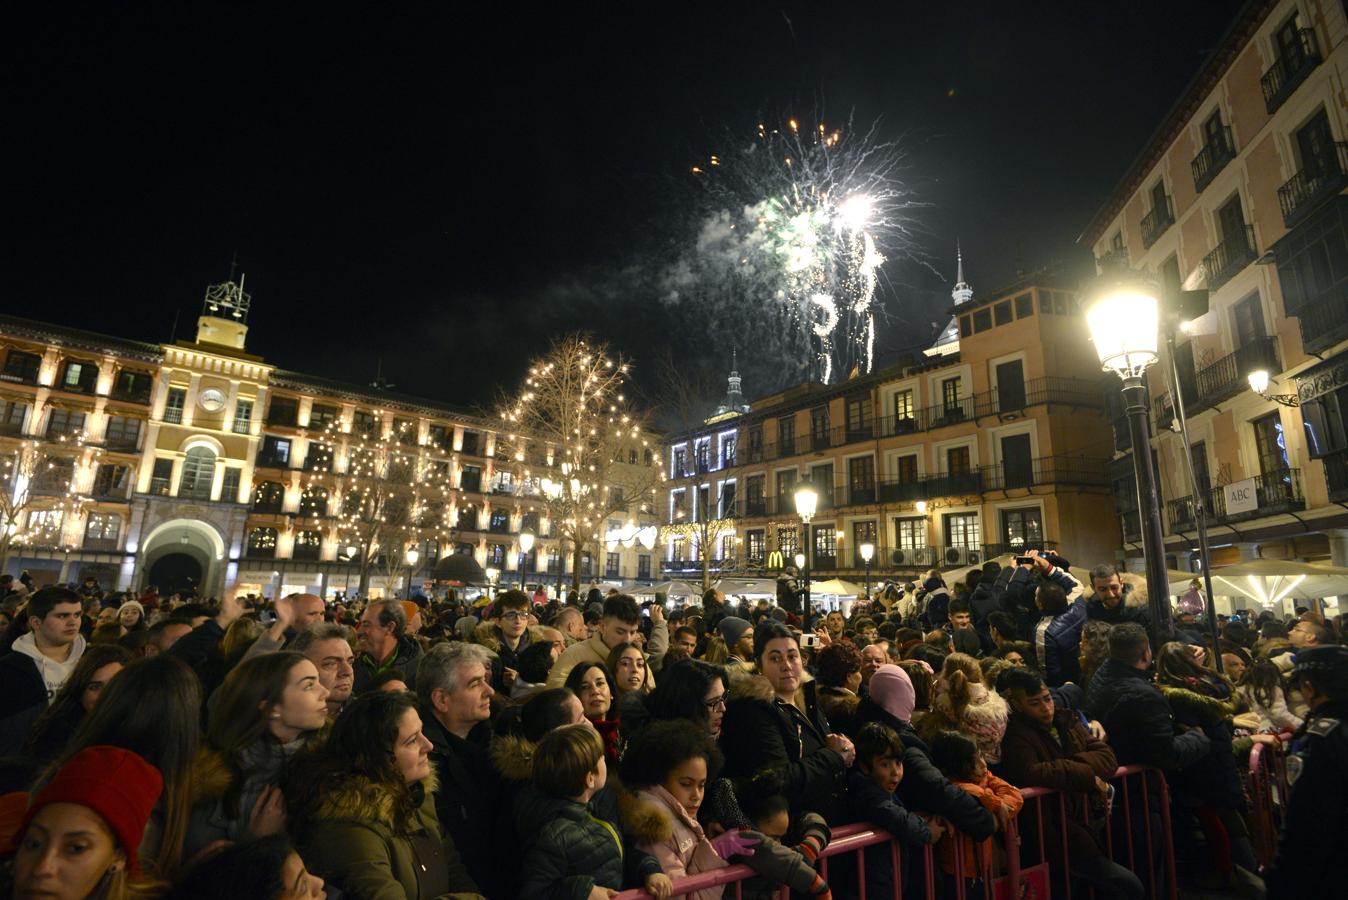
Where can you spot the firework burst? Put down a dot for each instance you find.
(788, 254)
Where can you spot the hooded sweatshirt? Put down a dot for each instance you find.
(54, 674)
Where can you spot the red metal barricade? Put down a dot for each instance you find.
(1137, 849)
(1266, 781)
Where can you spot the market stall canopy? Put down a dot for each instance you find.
(835, 587)
(459, 567)
(669, 589)
(747, 587)
(1271, 580)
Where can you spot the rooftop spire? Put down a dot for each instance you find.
(963, 291)
(734, 396)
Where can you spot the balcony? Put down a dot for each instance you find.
(122, 443)
(1227, 377)
(1324, 322)
(271, 461)
(1277, 492)
(1230, 256)
(1157, 221)
(1212, 159)
(1316, 182)
(1046, 470)
(1336, 475)
(1290, 69)
(11, 429)
(282, 417)
(1181, 514)
(1162, 412)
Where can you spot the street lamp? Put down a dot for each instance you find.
(492, 574)
(526, 544)
(1259, 383)
(807, 501)
(867, 554)
(412, 556)
(1123, 314)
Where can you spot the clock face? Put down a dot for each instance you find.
(211, 400)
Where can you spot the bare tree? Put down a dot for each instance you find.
(388, 493)
(44, 487)
(575, 445)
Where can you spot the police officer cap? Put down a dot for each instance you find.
(1329, 662)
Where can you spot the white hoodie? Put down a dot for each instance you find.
(54, 674)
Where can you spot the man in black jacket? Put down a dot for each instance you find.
(39, 662)
(1109, 599)
(384, 645)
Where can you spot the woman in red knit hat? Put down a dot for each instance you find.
(81, 832)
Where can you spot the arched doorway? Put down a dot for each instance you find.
(175, 573)
(182, 549)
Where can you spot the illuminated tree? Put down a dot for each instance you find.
(387, 493)
(575, 446)
(44, 488)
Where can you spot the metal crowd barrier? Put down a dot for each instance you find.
(1266, 780)
(1136, 849)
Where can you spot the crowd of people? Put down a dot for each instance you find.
(525, 747)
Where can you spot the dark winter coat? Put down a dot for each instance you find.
(22, 700)
(468, 803)
(568, 850)
(1214, 779)
(923, 787)
(353, 841)
(490, 636)
(222, 801)
(1057, 643)
(405, 658)
(1032, 756)
(1097, 611)
(759, 731)
(1317, 813)
(868, 802)
(1138, 720)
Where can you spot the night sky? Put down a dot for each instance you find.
(444, 185)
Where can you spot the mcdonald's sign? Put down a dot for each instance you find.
(775, 560)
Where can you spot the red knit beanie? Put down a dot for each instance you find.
(115, 783)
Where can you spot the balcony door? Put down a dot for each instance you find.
(1017, 461)
(1231, 221)
(1315, 143)
(1010, 386)
(1271, 446)
(1212, 131)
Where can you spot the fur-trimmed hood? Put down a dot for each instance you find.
(211, 775)
(643, 820)
(513, 758)
(357, 798)
(757, 687)
(1193, 705)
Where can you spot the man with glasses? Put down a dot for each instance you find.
(507, 638)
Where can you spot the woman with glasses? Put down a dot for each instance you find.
(689, 689)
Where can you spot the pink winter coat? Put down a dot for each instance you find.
(662, 828)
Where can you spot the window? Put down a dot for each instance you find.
(80, 376)
(729, 444)
(1002, 312)
(679, 466)
(1023, 529)
(132, 386)
(314, 502)
(13, 415)
(950, 398)
(45, 522)
(1024, 306)
(496, 555)
(161, 477)
(55, 477)
(788, 541)
(786, 434)
(910, 533)
(406, 432)
(612, 565)
(471, 443)
(756, 444)
(865, 533)
(440, 436)
(858, 418)
(123, 432)
(648, 457)
(586, 564)
(819, 426)
(173, 405)
(616, 498)
(703, 510)
(1116, 242)
(1212, 130)
(275, 452)
(1017, 463)
(957, 461)
(861, 479)
(101, 530)
(755, 547)
(966, 326)
(1231, 223)
(905, 469)
(318, 459)
(1271, 445)
(320, 417)
(229, 486)
(643, 566)
(727, 506)
(1060, 303)
(500, 521)
(268, 497)
(22, 367)
(470, 479)
(262, 542)
(64, 423)
(786, 484)
(1045, 303)
(283, 411)
(363, 422)
(904, 413)
(112, 481)
(198, 474)
(467, 518)
(1247, 320)
(982, 319)
(825, 538)
(727, 547)
(308, 545)
(754, 504)
(243, 416)
(961, 530)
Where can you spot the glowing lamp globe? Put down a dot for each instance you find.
(1124, 319)
(412, 556)
(1259, 381)
(867, 551)
(800, 560)
(526, 541)
(807, 501)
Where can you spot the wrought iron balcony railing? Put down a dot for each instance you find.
(1214, 156)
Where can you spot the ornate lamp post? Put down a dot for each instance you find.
(526, 544)
(867, 550)
(807, 501)
(1123, 313)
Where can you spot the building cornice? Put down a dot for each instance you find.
(79, 339)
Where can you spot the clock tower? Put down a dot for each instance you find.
(224, 315)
